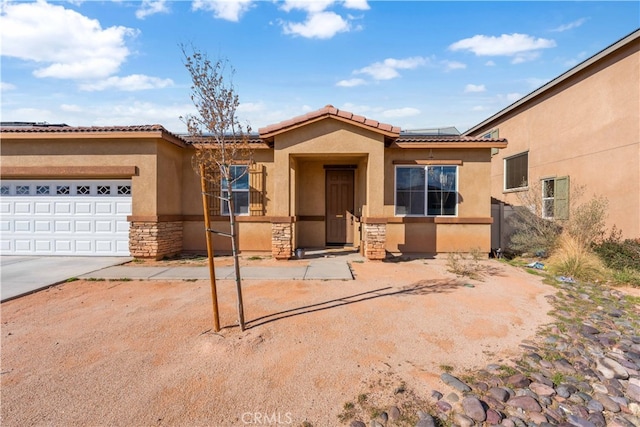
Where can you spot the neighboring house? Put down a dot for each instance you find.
(326, 178)
(581, 128)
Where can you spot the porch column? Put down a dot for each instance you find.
(375, 238)
(281, 237)
(154, 237)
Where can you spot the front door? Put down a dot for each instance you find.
(339, 192)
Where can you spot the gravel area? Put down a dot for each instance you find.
(323, 353)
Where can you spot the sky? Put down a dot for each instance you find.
(413, 64)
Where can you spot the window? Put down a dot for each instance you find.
(239, 192)
(555, 198)
(5, 190)
(62, 189)
(104, 189)
(42, 190)
(22, 190)
(83, 190)
(516, 171)
(426, 190)
(124, 190)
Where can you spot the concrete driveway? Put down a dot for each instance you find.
(21, 275)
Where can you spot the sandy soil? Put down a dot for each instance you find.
(143, 353)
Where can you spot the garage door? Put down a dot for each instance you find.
(80, 217)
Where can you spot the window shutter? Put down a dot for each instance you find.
(213, 193)
(561, 198)
(256, 190)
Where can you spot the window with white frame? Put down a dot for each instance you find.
(239, 192)
(426, 190)
(516, 171)
(555, 198)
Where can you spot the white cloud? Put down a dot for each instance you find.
(310, 6)
(521, 46)
(490, 64)
(400, 112)
(314, 6)
(569, 26)
(351, 83)
(478, 108)
(6, 86)
(356, 4)
(319, 25)
(71, 108)
(130, 83)
(64, 43)
(453, 65)
(388, 69)
(151, 7)
(471, 88)
(251, 107)
(230, 10)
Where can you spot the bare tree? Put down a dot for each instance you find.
(223, 153)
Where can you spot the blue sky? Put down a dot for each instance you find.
(415, 64)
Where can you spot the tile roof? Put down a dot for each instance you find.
(444, 138)
(325, 112)
(53, 128)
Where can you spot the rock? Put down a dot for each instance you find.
(610, 369)
(588, 330)
(499, 394)
(598, 419)
(436, 395)
(518, 381)
(474, 409)
(542, 389)
(443, 406)
(394, 413)
(508, 423)
(607, 402)
(421, 415)
(426, 422)
(375, 423)
(579, 422)
(595, 406)
(463, 420)
(455, 383)
(526, 403)
(384, 417)
(537, 417)
(493, 417)
(633, 391)
(357, 423)
(452, 397)
(539, 378)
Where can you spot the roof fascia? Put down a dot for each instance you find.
(329, 116)
(555, 82)
(94, 135)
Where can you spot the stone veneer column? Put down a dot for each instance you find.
(375, 238)
(151, 239)
(281, 233)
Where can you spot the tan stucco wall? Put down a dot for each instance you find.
(67, 152)
(587, 128)
(331, 142)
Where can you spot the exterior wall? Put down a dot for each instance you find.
(587, 127)
(470, 229)
(151, 239)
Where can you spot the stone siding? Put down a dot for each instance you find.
(155, 239)
(375, 238)
(281, 240)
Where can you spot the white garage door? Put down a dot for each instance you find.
(79, 217)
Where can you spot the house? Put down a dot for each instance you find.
(582, 128)
(325, 178)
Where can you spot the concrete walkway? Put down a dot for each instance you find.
(317, 269)
(22, 275)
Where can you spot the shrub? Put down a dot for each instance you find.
(619, 254)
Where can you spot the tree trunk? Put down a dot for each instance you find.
(234, 251)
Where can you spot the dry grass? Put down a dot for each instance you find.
(571, 258)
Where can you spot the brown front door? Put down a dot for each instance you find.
(339, 191)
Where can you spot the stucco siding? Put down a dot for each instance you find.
(587, 128)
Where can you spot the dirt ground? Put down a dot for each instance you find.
(143, 352)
